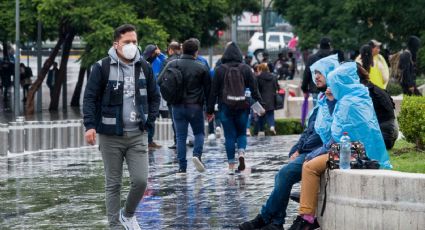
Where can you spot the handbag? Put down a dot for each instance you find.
(278, 101)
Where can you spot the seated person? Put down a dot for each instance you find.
(384, 108)
(273, 212)
(354, 114)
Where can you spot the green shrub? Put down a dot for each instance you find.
(286, 126)
(394, 88)
(412, 120)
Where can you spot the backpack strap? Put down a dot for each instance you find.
(105, 67)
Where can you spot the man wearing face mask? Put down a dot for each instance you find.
(120, 102)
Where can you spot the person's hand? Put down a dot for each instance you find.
(157, 51)
(294, 155)
(91, 136)
(329, 94)
(306, 94)
(210, 117)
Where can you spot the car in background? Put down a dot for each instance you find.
(275, 41)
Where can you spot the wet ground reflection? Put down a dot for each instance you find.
(64, 190)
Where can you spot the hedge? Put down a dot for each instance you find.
(412, 120)
(286, 126)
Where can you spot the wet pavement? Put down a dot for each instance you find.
(65, 190)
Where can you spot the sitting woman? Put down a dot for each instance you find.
(353, 113)
(384, 108)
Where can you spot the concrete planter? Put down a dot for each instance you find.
(374, 199)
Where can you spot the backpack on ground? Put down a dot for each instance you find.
(171, 85)
(395, 72)
(234, 87)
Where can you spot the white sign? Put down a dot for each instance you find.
(249, 19)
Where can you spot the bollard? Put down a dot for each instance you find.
(32, 137)
(57, 135)
(16, 137)
(83, 134)
(46, 135)
(64, 130)
(4, 139)
(74, 133)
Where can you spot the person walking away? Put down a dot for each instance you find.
(153, 55)
(408, 67)
(189, 110)
(268, 87)
(121, 89)
(293, 69)
(6, 73)
(51, 78)
(25, 79)
(231, 79)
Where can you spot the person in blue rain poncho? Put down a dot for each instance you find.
(353, 113)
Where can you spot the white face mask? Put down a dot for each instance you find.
(129, 51)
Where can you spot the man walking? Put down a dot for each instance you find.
(120, 102)
(196, 88)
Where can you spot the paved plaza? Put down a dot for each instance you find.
(65, 190)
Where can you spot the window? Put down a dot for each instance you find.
(274, 38)
(261, 38)
(286, 39)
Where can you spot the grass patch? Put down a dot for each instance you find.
(406, 158)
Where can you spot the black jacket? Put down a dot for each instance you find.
(382, 103)
(307, 84)
(233, 57)
(196, 77)
(267, 86)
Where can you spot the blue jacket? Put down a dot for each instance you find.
(103, 105)
(309, 139)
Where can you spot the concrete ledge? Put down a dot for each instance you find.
(373, 199)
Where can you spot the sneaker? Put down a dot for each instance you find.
(301, 224)
(198, 164)
(261, 134)
(248, 132)
(272, 130)
(241, 158)
(218, 132)
(174, 146)
(273, 227)
(154, 145)
(211, 137)
(232, 169)
(256, 223)
(181, 172)
(129, 223)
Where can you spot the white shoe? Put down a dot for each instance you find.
(198, 164)
(261, 134)
(218, 132)
(248, 132)
(232, 169)
(211, 137)
(272, 130)
(129, 223)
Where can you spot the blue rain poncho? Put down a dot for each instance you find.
(323, 125)
(354, 113)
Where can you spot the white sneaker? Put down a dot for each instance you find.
(272, 130)
(211, 137)
(241, 158)
(232, 169)
(218, 132)
(129, 223)
(261, 134)
(198, 164)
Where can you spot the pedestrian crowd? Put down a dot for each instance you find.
(128, 89)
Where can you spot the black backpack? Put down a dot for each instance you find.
(234, 87)
(171, 85)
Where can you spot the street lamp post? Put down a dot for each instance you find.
(210, 49)
(17, 62)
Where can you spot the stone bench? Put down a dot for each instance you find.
(373, 199)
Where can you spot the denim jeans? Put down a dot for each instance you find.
(274, 211)
(183, 115)
(151, 133)
(234, 127)
(214, 123)
(268, 117)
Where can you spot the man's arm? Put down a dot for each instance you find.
(91, 96)
(207, 85)
(215, 89)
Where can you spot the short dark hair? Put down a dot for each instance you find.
(174, 46)
(122, 29)
(190, 47)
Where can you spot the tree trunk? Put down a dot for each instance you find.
(75, 101)
(54, 103)
(29, 106)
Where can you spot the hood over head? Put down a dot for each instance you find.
(324, 66)
(344, 80)
(232, 53)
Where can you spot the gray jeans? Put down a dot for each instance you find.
(133, 148)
